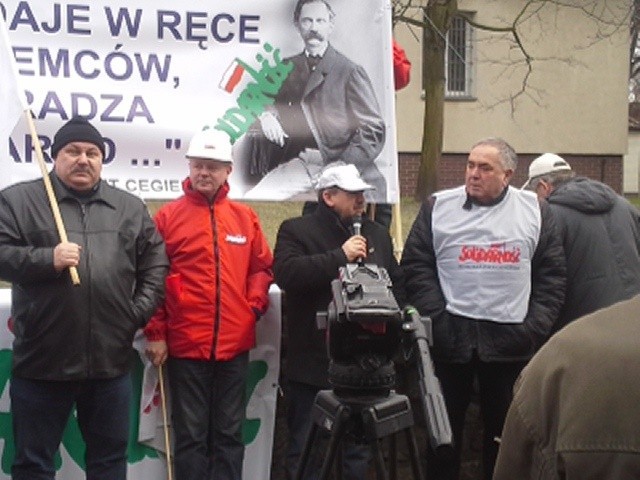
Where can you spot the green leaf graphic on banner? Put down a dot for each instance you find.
(251, 426)
(6, 433)
(73, 443)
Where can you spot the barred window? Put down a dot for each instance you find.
(459, 60)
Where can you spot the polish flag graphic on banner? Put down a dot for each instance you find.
(232, 76)
(151, 426)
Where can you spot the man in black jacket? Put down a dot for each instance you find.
(308, 253)
(73, 344)
(600, 233)
(485, 262)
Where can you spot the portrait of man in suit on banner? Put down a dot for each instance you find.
(326, 112)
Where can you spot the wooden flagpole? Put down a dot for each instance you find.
(165, 424)
(396, 227)
(73, 271)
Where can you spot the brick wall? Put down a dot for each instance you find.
(606, 168)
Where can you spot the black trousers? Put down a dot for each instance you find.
(41, 410)
(495, 382)
(208, 408)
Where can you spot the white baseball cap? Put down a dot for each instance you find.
(345, 177)
(210, 144)
(545, 164)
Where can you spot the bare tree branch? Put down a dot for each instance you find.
(433, 17)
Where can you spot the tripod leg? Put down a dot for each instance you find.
(339, 463)
(415, 456)
(378, 460)
(393, 457)
(337, 432)
(304, 458)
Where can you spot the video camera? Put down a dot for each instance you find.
(366, 330)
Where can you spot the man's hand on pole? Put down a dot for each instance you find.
(157, 352)
(66, 254)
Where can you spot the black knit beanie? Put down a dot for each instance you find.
(78, 129)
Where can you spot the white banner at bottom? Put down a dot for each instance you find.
(146, 462)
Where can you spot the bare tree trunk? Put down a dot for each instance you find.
(438, 16)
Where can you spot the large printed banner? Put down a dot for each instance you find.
(150, 73)
(147, 433)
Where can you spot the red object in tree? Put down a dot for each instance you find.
(401, 67)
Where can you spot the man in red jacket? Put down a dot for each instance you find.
(217, 288)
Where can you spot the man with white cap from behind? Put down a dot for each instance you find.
(216, 290)
(308, 253)
(600, 234)
(540, 170)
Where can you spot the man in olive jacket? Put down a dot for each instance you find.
(73, 343)
(575, 408)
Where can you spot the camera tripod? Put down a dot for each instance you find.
(370, 418)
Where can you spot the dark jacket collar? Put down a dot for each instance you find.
(472, 201)
(101, 192)
(327, 215)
